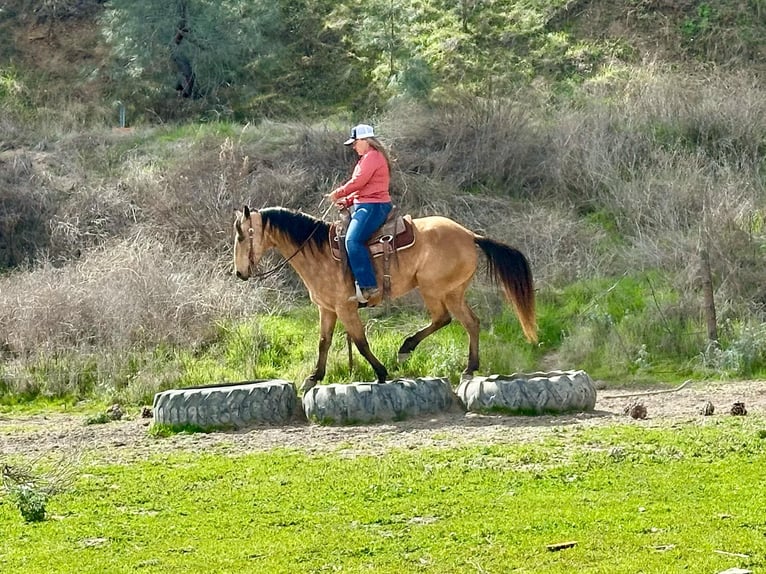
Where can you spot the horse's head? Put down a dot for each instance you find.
(249, 243)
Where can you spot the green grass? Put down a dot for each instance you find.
(635, 499)
(165, 430)
(42, 405)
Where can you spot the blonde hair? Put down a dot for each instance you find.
(375, 143)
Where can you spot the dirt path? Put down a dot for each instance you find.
(128, 440)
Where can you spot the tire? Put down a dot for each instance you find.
(232, 406)
(535, 393)
(373, 402)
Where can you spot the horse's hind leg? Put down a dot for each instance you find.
(327, 320)
(460, 309)
(440, 317)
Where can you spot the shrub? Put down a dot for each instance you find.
(30, 486)
(30, 502)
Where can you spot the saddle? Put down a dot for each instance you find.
(396, 233)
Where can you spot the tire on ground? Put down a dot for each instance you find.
(229, 406)
(373, 402)
(534, 393)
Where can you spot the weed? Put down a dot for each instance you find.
(30, 501)
(699, 23)
(323, 421)
(31, 488)
(99, 419)
(162, 430)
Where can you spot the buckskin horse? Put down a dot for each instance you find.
(440, 263)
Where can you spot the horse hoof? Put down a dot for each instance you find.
(401, 357)
(307, 385)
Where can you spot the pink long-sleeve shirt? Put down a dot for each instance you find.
(369, 181)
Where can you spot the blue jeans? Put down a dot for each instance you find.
(366, 219)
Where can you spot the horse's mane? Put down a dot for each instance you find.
(300, 228)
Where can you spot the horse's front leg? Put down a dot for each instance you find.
(355, 329)
(327, 320)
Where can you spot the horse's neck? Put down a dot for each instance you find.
(306, 260)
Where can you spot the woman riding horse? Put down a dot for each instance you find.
(441, 264)
(366, 194)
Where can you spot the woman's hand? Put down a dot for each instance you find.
(340, 202)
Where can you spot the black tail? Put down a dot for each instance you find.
(509, 267)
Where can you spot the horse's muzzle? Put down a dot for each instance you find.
(242, 276)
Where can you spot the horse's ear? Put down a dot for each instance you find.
(238, 225)
(247, 212)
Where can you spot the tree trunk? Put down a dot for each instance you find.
(186, 77)
(708, 302)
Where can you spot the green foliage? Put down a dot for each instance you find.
(217, 40)
(741, 351)
(165, 430)
(58, 375)
(630, 326)
(416, 79)
(11, 88)
(247, 58)
(723, 32)
(272, 346)
(30, 501)
(98, 419)
(695, 25)
(652, 159)
(482, 48)
(31, 489)
(297, 57)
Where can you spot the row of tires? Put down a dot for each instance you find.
(275, 402)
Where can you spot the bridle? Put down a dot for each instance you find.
(277, 267)
(282, 264)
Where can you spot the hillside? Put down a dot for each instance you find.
(619, 145)
(58, 53)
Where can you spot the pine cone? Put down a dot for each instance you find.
(146, 413)
(114, 412)
(738, 409)
(707, 409)
(636, 410)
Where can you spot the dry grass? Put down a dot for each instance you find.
(135, 292)
(472, 143)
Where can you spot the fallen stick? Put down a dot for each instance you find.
(736, 555)
(561, 546)
(647, 393)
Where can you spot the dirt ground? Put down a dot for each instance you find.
(127, 440)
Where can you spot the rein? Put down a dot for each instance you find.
(284, 263)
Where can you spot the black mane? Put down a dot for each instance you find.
(300, 228)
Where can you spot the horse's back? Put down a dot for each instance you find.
(438, 228)
(445, 254)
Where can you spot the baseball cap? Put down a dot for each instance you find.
(360, 132)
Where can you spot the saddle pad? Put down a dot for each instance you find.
(395, 235)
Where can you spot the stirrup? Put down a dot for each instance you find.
(358, 297)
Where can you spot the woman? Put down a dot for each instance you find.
(368, 196)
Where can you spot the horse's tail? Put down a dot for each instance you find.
(509, 267)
